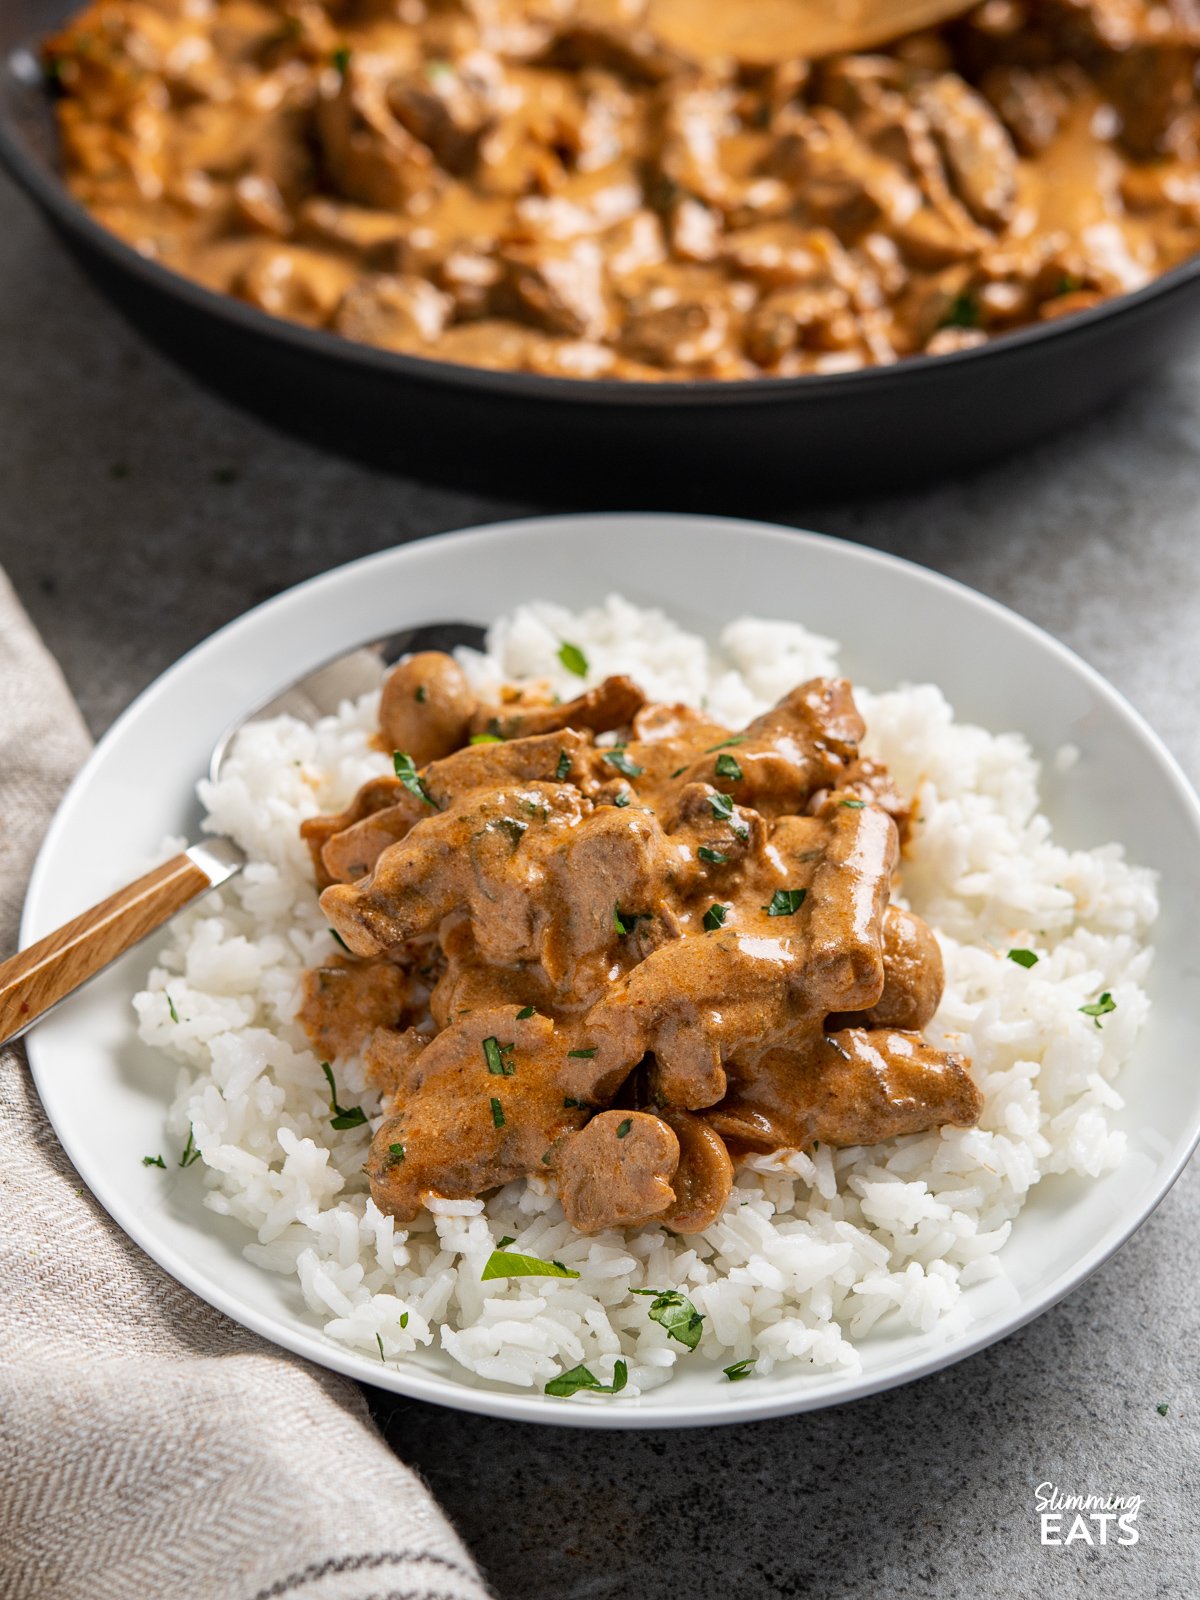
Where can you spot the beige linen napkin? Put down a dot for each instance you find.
(149, 1447)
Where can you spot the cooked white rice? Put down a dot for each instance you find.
(812, 1251)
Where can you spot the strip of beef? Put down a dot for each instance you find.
(481, 1104)
(976, 147)
(346, 1001)
(485, 855)
(370, 155)
(802, 937)
(857, 1086)
(805, 743)
(611, 704)
(346, 846)
(382, 803)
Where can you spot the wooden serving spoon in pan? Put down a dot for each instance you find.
(763, 32)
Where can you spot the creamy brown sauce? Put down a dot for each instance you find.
(552, 186)
(619, 965)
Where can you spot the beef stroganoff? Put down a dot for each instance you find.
(611, 1000)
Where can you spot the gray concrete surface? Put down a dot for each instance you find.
(137, 514)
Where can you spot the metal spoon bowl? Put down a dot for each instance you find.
(40, 977)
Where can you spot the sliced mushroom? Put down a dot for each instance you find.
(703, 1180)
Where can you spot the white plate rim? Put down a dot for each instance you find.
(742, 1405)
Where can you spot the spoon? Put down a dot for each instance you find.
(36, 979)
(764, 32)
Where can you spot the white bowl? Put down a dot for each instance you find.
(106, 1093)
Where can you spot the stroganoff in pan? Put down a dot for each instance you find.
(548, 186)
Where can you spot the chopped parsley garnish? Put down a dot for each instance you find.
(584, 1055)
(172, 1010)
(379, 1342)
(503, 1264)
(962, 312)
(621, 800)
(564, 766)
(726, 744)
(676, 1313)
(497, 1114)
(406, 771)
(715, 856)
(739, 1370)
(853, 805)
(486, 738)
(785, 902)
(1023, 958)
(1099, 1008)
(624, 1127)
(515, 830)
(420, 694)
(573, 658)
(569, 1383)
(341, 59)
(499, 1058)
(404, 1319)
(525, 1013)
(714, 917)
(154, 1161)
(396, 1151)
(617, 758)
(722, 809)
(625, 921)
(727, 767)
(343, 1116)
(190, 1151)
(337, 939)
(679, 771)
(1162, 1408)
(569, 1104)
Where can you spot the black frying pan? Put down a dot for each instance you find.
(731, 444)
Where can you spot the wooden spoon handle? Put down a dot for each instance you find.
(763, 32)
(39, 977)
